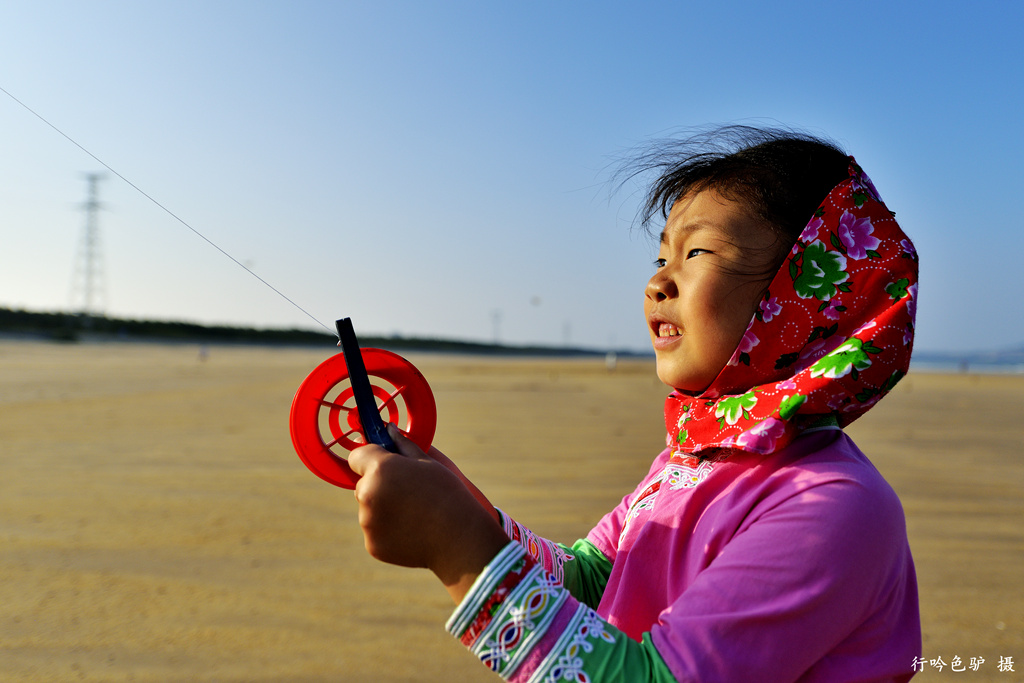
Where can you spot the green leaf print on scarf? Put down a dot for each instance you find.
(790, 405)
(894, 378)
(683, 419)
(850, 356)
(732, 408)
(822, 275)
(897, 290)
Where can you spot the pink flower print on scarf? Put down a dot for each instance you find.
(760, 438)
(863, 189)
(819, 348)
(908, 249)
(855, 235)
(768, 308)
(747, 344)
(811, 231)
(832, 308)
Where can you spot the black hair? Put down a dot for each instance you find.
(781, 175)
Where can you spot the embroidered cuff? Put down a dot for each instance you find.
(508, 610)
(512, 556)
(548, 553)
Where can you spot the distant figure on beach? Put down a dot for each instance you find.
(762, 545)
(611, 361)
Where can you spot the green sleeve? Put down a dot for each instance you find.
(587, 573)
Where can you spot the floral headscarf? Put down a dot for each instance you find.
(832, 334)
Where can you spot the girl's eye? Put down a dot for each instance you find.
(661, 263)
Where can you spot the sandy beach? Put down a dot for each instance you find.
(156, 525)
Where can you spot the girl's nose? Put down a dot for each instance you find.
(660, 287)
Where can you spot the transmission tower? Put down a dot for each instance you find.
(88, 297)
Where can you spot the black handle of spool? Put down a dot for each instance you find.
(374, 428)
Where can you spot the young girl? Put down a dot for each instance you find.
(762, 545)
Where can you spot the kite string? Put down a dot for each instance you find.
(167, 211)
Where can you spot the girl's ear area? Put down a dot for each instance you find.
(765, 249)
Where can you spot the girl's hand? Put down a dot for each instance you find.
(477, 493)
(417, 511)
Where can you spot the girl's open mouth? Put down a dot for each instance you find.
(664, 334)
(668, 330)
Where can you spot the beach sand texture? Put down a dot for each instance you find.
(156, 525)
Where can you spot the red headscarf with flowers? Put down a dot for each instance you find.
(832, 333)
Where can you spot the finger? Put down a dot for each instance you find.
(437, 455)
(362, 459)
(405, 445)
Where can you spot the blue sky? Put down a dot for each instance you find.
(441, 168)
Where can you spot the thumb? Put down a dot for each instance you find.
(362, 459)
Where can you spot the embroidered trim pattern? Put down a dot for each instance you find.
(494, 601)
(520, 622)
(681, 472)
(550, 554)
(512, 558)
(686, 472)
(643, 502)
(565, 661)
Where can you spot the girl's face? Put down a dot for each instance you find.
(714, 264)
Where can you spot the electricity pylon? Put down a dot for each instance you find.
(88, 296)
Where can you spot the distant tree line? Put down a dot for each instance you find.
(70, 327)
